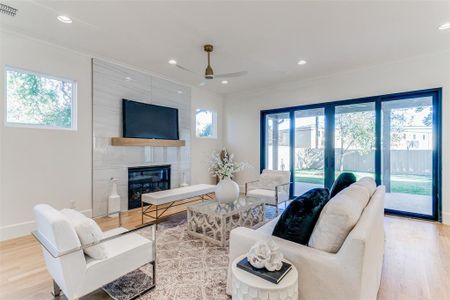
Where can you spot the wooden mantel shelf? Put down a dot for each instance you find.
(119, 141)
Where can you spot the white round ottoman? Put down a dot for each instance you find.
(246, 286)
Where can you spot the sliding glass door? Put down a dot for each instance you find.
(309, 149)
(354, 144)
(407, 154)
(394, 139)
(277, 144)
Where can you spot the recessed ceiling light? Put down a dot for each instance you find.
(202, 83)
(301, 62)
(172, 62)
(444, 26)
(128, 78)
(180, 92)
(65, 19)
(224, 81)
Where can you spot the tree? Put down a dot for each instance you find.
(39, 100)
(356, 132)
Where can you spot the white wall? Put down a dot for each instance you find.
(55, 166)
(242, 110)
(41, 165)
(203, 147)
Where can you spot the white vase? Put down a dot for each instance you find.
(227, 191)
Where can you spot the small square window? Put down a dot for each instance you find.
(205, 123)
(38, 100)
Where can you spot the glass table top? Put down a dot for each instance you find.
(222, 209)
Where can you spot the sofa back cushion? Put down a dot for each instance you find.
(338, 217)
(297, 222)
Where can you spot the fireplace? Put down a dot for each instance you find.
(145, 180)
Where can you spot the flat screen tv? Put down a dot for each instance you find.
(148, 121)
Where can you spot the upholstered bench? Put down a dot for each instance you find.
(171, 197)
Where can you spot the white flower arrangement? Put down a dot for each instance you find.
(222, 165)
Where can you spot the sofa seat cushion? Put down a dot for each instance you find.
(343, 181)
(338, 218)
(268, 195)
(297, 222)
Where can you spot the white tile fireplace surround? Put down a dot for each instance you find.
(111, 84)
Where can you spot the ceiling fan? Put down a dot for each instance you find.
(209, 72)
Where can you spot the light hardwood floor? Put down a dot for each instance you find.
(416, 262)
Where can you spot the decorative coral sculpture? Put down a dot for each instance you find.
(265, 254)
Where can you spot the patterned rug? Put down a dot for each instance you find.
(187, 268)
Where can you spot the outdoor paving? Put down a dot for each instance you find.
(395, 201)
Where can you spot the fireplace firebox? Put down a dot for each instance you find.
(145, 180)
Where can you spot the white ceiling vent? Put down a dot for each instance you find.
(8, 10)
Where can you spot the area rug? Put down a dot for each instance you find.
(187, 268)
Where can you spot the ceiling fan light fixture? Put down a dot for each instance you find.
(64, 19)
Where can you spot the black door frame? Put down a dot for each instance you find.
(329, 163)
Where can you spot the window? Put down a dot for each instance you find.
(38, 100)
(394, 139)
(205, 123)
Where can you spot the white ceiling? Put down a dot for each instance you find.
(264, 38)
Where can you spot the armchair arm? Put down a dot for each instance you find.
(247, 183)
(55, 253)
(278, 187)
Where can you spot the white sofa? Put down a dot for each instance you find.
(354, 272)
(77, 274)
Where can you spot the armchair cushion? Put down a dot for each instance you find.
(271, 178)
(344, 180)
(268, 195)
(88, 232)
(297, 222)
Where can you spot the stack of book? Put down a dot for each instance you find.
(272, 276)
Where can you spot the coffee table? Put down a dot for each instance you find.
(212, 221)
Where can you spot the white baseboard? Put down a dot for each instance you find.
(446, 218)
(21, 229)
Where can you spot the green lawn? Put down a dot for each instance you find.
(409, 184)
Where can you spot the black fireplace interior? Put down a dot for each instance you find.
(145, 180)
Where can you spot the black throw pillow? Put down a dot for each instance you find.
(297, 222)
(343, 181)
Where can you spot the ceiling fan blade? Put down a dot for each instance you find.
(184, 69)
(230, 75)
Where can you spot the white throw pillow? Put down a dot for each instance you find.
(338, 218)
(88, 232)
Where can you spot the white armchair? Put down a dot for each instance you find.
(77, 274)
(273, 186)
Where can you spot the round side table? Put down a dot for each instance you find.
(246, 286)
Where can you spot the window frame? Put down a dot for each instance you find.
(214, 124)
(74, 105)
(330, 106)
